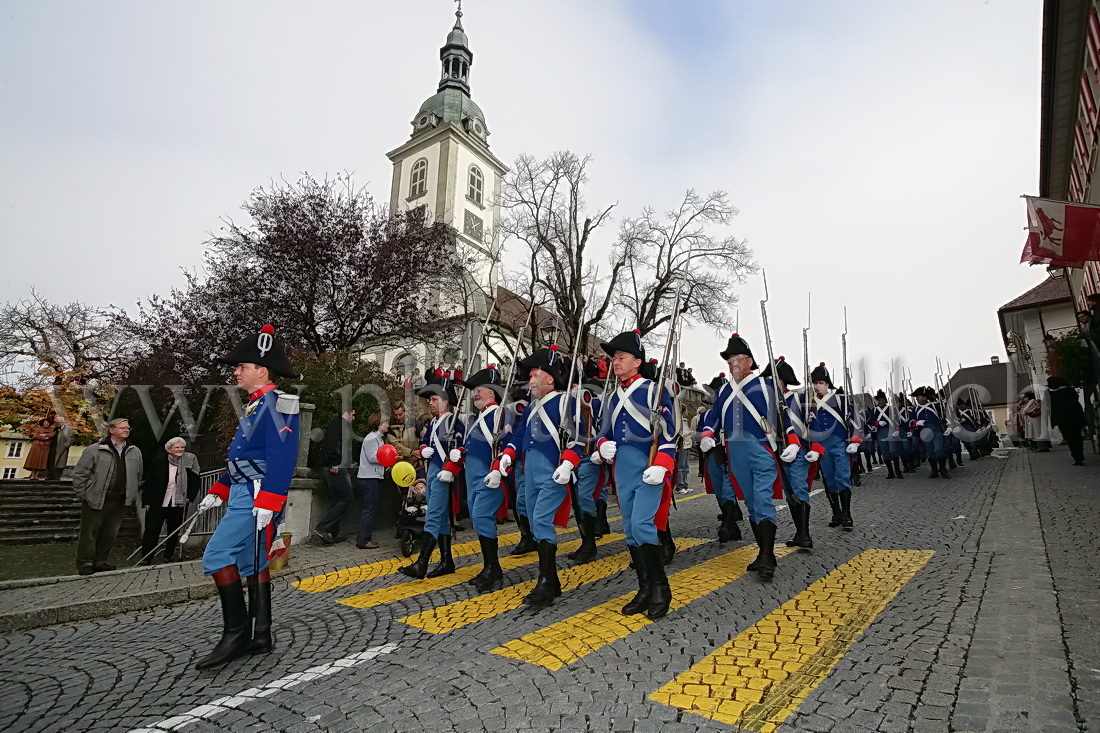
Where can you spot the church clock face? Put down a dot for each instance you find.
(473, 227)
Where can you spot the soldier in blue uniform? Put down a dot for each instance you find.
(590, 475)
(547, 470)
(885, 425)
(928, 423)
(800, 469)
(444, 433)
(745, 410)
(716, 476)
(484, 496)
(513, 479)
(831, 425)
(254, 486)
(642, 474)
(910, 445)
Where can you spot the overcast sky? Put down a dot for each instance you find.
(876, 150)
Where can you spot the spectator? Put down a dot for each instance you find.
(401, 434)
(171, 483)
(690, 378)
(59, 451)
(370, 479)
(106, 478)
(1066, 413)
(417, 380)
(337, 479)
(601, 367)
(684, 444)
(38, 457)
(1033, 419)
(1094, 313)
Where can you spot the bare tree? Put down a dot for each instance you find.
(663, 252)
(544, 207)
(41, 341)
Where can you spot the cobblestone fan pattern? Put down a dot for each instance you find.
(928, 659)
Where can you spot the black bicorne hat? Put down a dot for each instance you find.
(785, 371)
(549, 361)
(628, 341)
(821, 374)
(711, 388)
(488, 377)
(880, 395)
(920, 392)
(648, 370)
(444, 386)
(737, 345)
(262, 349)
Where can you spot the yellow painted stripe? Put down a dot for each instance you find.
(347, 576)
(461, 575)
(463, 613)
(570, 639)
(759, 678)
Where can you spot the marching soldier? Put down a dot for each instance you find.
(486, 499)
(444, 433)
(830, 427)
(547, 470)
(254, 487)
(514, 478)
(928, 424)
(801, 470)
(716, 475)
(744, 409)
(885, 428)
(591, 479)
(643, 465)
(910, 447)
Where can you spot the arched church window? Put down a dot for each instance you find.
(419, 184)
(477, 185)
(405, 363)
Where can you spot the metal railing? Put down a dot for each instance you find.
(208, 522)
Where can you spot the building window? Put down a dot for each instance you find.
(477, 185)
(419, 184)
(405, 363)
(472, 227)
(15, 449)
(9, 472)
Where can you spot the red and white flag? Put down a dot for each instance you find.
(1061, 234)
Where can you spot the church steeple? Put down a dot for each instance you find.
(457, 58)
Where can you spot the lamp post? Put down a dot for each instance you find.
(549, 329)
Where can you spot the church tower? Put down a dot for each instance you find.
(446, 167)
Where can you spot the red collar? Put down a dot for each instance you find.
(629, 380)
(486, 407)
(253, 396)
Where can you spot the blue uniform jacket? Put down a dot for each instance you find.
(732, 415)
(538, 428)
(436, 436)
(627, 420)
(824, 423)
(479, 436)
(932, 416)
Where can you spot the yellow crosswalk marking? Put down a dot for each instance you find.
(461, 575)
(463, 613)
(759, 678)
(570, 639)
(347, 576)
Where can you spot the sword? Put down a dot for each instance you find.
(188, 523)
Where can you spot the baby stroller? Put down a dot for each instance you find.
(410, 516)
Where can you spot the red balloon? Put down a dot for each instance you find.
(387, 455)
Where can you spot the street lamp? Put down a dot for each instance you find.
(549, 329)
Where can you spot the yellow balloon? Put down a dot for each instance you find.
(403, 474)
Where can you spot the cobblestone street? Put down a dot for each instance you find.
(960, 605)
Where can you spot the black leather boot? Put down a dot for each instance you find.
(668, 545)
(934, 463)
(738, 515)
(491, 574)
(889, 470)
(547, 588)
(484, 563)
(236, 626)
(587, 551)
(259, 604)
(602, 527)
(897, 468)
(526, 539)
(800, 513)
(943, 469)
(446, 564)
(834, 503)
(640, 602)
(855, 473)
(951, 461)
(660, 594)
(959, 457)
(728, 531)
(846, 509)
(756, 535)
(419, 568)
(765, 564)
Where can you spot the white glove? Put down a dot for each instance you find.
(455, 455)
(607, 450)
(812, 456)
(263, 517)
(654, 475)
(706, 444)
(492, 479)
(852, 448)
(957, 429)
(947, 433)
(210, 501)
(427, 452)
(920, 423)
(445, 476)
(789, 453)
(881, 423)
(896, 433)
(505, 461)
(563, 473)
(596, 458)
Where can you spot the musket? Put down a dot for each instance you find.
(777, 393)
(807, 388)
(573, 371)
(847, 376)
(514, 367)
(655, 409)
(607, 379)
(466, 373)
